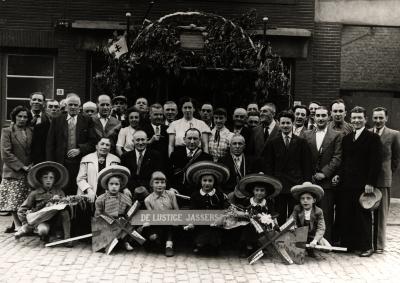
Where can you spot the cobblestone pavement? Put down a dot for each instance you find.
(29, 261)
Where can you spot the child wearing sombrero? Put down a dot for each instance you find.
(160, 199)
(308, 214)
(207, 176)
(47, 178)
(113, 203)
(259, 191)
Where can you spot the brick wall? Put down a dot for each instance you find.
(326, 54)
(370, 58)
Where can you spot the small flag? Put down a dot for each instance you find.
(119, 47)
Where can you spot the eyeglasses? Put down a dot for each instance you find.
(53, 106)
(206, 110)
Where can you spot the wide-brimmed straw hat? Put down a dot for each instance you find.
(247, 183)
(307, 187)
(372, 200)
(199, 169)
(114, 171)
(61, 174)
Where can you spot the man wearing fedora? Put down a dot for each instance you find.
(358, 174)
(120, 105)
(288, 158)
(239, 163)
(326, 152)
(390, 160)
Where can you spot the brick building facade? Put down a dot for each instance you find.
(34, 29)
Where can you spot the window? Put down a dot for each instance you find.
(26, 74)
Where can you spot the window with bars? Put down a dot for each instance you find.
(24, 75)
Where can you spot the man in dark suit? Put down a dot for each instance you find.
(70, 137)
(185, 156)
(41, 124)
(359, 171)
(326, 152)
(265, 132)
(156, 130)
(239, 164)
(288, 158)
(106, 126)
(390, 161)
(142, 162)
(239, 119)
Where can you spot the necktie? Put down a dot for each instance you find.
(266, 134)
(217, 136)
(287, 141)
(237, 162)
(157, 132)
(190, 155)
(35, 119)
(139, 163)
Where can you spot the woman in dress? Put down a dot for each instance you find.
(16, 155)
(178, 128)
(125, 136)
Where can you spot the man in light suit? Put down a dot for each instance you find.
(390, 160)
(265, 132)
(106, 126)
(326, 152)
(70, 137)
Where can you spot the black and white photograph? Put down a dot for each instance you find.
(200, 141)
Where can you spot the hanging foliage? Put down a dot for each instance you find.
(160, 51)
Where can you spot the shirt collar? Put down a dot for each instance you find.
(254, 203)
(188, 151)
(290, 135)
(321, 131)
(203, 193)
(240, 157)
(272, 125)
(106, 118)
(33, 114)
(380, 131)
(138, 153)
(359, 131)
(70, 117)
(162, 195)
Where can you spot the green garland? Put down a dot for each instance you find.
(156, 51)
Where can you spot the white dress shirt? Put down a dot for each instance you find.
(319, 137)
(358, 133)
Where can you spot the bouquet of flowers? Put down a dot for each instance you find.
(47, 209)
(234, 217)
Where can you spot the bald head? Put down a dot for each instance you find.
(239, 117)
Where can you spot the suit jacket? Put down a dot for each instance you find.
(152, 161)
(248, 166)
(38, 146)
(179, 160)
(317, 222)
(327, 160)
(57, 138)
(89, 171)
(390, 156)
(162, 145)
(111, 130)
(15, 152)
(257, 142)
(361, 161)
(292, 165)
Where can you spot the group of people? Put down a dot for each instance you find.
(306, 163)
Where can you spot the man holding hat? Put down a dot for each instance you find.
(361, 164)
(391, 158)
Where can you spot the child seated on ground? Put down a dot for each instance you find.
(308, 214)
(261, 189)
(47, 178)
(113, 203)
(207, 175)
(160, 199)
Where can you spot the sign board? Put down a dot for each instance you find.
(177, 217)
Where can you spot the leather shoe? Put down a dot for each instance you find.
(379, 251)
(366, 253)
